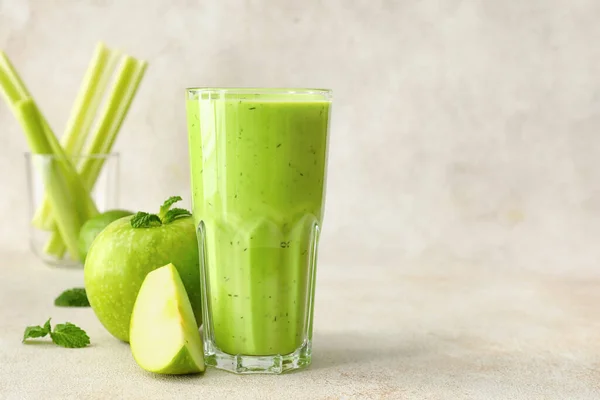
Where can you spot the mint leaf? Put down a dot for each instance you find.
(47, 326)
(167, 205)
(145, 220)
(165, 216)
(36, 331)
(64, 335)
(32, 332)
(75, 297)
(70, 336)
(174, 214)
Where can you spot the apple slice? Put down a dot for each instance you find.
(163, 334)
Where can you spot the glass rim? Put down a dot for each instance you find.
(260, 90)
(29, 154)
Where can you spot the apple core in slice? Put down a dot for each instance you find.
(163, 334)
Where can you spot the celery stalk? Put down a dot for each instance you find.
(15, 91)
(11, 84)
(123, 91)
(10, 92)
(82, 116)
(89, 98)
(55, 245)
(60, 197)
(83, 204)
(80, 121)
(63, 181)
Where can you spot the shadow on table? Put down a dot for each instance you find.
(331, 350)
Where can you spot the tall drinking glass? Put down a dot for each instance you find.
(258, 162)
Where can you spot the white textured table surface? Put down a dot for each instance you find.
(449, 331)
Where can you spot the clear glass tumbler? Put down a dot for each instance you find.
(258, 163)
(51, 185)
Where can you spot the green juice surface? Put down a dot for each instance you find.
(258, 169)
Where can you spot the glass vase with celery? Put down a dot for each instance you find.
(68, 172)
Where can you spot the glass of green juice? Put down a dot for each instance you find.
(258, 166)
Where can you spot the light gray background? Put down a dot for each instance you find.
(464, 132)
(460, 252)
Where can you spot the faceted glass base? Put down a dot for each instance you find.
(242, 364)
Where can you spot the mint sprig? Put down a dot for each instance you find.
(70, 336)
(145, 220)
(64, 335)
(167, 205)
(165, 216)
(36, 331)
(176, 213)
(75, 297)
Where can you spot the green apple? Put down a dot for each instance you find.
(164, 335)
(127, 250)
(94, 226)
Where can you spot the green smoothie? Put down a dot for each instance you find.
(258, 168)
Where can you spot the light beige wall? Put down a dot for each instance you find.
(463, 131)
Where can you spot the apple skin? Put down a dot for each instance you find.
(93, 226)
(184, 365)
(120, 258)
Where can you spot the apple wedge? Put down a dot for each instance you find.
(163, 334)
